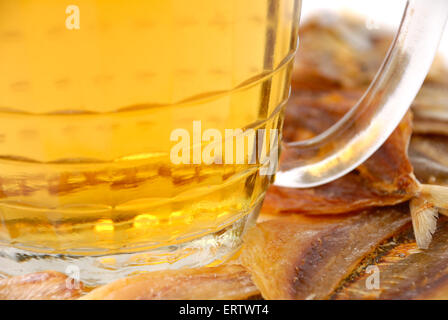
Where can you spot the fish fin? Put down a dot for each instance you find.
(424, 221)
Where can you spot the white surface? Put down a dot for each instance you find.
(384, 13)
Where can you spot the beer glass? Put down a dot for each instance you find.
(142, 135)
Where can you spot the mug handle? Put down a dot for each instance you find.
(369, 123)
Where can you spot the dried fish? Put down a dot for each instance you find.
(430, 126)
(337, 60)
(49, 285)
(230, 281)
(429, 171)
(431, 109)
(386, 178)
(338, 51)
(425, 207)
(406, 272)
(432, 147)
(429, 157)
(304, 257)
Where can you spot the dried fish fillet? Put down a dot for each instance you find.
(431, 109)
(430, 126)
(303, 257)
(338, 51)
(429, 157)
(49, 285)
(432, 147)
(429, 171)
(215, 283)
(386, 178)
(407, 272)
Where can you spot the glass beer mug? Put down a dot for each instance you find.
(137, 135)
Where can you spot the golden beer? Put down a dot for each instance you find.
(89, 96)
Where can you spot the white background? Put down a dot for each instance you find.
(386, 13)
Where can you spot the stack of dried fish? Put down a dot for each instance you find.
(337, 61)
(372, 234)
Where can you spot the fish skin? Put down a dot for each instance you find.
(407, 272)
(424, 125)
(230, 281)
(429, 157)
(303, 257)
(434, 147)
(48, 285)
(431, 109)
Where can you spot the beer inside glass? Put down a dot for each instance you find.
(90, 95)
